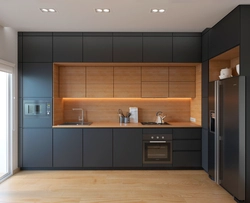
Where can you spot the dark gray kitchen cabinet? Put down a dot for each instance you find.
(97, 47)
(127, 47)
(67, 147)
(186, 47)
(187, 147)
(37, 47)
(37, 147)
(157, 47)
(225, 34)
(97, 147)
(205, 45)
(20, 47)
(127, 147)
(67, 47)
(205, 149)
(37, 79)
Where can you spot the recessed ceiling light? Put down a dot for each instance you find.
(48, 10)
(156, 10)
(102, 10)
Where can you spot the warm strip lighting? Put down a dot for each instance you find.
(138, 99)
(48, 10)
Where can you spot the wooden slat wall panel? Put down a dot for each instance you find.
(154, 89)
(106, 109)
(196, 102)
(182, 74)
(127, 90)
(181, 89)
(58, 111)
(72, 82)
(99, 75)
(55, 81)
(154, 74)
(127, 75)
(98, 90)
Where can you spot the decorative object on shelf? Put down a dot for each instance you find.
(225, 73)
(238, 69)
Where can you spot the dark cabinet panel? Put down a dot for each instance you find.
(37, 47)
(37, 147)
(67, 147)
(97, 49)
(205, 45)
(20, 80)
(97, 148)
(157, 131)
(225, 34)
(127, 147)
(67, 47)
(186, 47)
(20, 47)
(127, 48)
(187, 133)
(205, 149)
(157, 47)
(187, 159)
(186, 145)
(205, 113)
(205, 78)
(37, 80)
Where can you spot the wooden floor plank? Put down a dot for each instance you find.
(110, 186)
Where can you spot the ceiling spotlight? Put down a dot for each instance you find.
(45, 10)
(161, 10)
(102, 10)
(98, 10)
(106, 10)
(155, 10)
(52, 10)
(48, 10)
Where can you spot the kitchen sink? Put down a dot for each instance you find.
(76, 123)
(154, 123)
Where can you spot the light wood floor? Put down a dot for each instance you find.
(153, 186)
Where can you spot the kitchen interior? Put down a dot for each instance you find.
(160, 129)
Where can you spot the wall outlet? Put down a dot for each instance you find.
(192, 119)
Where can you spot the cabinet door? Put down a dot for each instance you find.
(67, 47)
(67, 147)
(20, 47)
(37, 47)
(37, 147)
(186, 47)
(127, 82)
(187, 134)
(37, 80)
(205, 45)
(186, 159)
(97, 148)
(157, 47)
(127, 47)
(225, 34)
(97, 47)
(127, 147)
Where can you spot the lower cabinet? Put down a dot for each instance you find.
(127, 147)
(97, 147)
(67, 148)
(187, 147)
(37, 147)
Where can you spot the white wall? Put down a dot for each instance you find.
(8, 52)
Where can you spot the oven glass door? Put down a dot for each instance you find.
(157, 152)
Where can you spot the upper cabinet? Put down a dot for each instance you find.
(225, 34)
(37, 47)
(67, 47)
(186, 47)
(127, 47)
(157, 47)
(97, 47)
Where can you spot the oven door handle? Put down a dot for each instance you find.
(157, 141)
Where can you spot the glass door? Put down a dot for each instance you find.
(5, 124)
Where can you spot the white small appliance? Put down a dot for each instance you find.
(134, 114)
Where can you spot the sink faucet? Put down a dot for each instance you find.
(79, 118)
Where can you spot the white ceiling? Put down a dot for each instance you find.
(125, 15)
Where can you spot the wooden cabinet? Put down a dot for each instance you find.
(187, 147)
(127, 147)
(72, 82)
(97, 47)
(37, 147)
(99, 82)
(67, 148)
(127, 47)
(187, 47)
(157, 47)
(67, 47)
(155, 82)
(37, 47)
(127, 82)
(182, 81)
(97, 147)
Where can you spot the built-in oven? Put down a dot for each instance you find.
(157, 149)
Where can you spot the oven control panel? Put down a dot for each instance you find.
(159, 137)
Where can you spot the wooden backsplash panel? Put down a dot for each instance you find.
(58, 111)
(184, 74)
(127, 75)
(154, 74)
(107, 109)
(55, 81)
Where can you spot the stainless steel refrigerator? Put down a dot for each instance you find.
(226, 142)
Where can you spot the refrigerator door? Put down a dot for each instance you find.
(232, 148)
